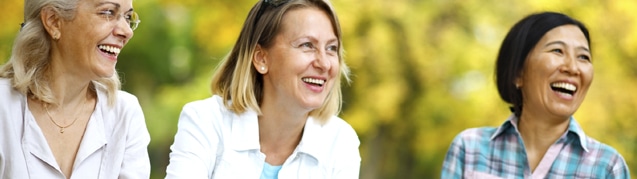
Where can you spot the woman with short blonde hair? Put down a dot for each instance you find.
(276, 97)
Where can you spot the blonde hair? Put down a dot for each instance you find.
(30, 61)
(241, 86)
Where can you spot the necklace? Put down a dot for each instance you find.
(46, 108)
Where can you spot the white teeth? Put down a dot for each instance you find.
(314, 81)
(111, 49)
(566, 86)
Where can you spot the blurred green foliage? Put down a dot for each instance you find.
(422, 70)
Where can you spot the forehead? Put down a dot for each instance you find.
(123, 4)
(567, 33)
(301, 17)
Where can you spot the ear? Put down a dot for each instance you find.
(51, 21)
(260, 60)
(518, 82)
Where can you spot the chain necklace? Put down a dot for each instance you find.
(46, 108)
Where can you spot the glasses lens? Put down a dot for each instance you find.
(134, 20)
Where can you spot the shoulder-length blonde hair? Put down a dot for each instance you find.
(30, 60)
(238, 82)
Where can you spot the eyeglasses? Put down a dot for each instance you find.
(134, 21)
(131, 17)
(265, 5)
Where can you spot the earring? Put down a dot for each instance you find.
(56, 36)
(262, 68)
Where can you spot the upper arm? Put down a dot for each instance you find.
(619, 168)
(348, 161)
(193, 152)
(453, 166)
(136, 163)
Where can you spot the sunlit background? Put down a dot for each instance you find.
(422, 70)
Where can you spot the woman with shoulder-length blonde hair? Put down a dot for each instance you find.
(62, 114)
(276, 97)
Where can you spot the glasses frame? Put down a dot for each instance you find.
(134, 21)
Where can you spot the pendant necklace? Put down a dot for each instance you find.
(46, 108)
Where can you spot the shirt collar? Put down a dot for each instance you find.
(95, 134)
(313, 139)
(245, 131)
(573, 127)
(245, 135)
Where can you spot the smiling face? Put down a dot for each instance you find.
(302, 62)
(557, 73)
(89, 44)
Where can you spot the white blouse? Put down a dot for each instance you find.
(114, 144)
(213, 142)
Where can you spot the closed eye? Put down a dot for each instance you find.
(307, 45)
(584, 57)
(557, 50)
(108, 12)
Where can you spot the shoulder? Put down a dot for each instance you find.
(126, 99)
(5, 82)
(340, 129)
(208, 114)
(335, 135)
(604, 154)
(125, 103)
(480, 134)
(473, 139)
(203, 104)
(11, 101)
(334, 141)
(5, 87)
(205, 107)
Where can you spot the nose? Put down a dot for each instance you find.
(322, 61)
(570, 65)
(122, 29)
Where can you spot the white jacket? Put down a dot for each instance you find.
(213, 142)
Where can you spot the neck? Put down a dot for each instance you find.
(540, 132)
(67, 86)
(280, 126)
(277, 125)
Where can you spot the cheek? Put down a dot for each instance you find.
(335, 66)
(588, 74)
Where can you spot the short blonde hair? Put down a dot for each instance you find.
(30, 61)
(241, 86)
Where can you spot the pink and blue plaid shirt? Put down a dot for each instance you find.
(499, 153)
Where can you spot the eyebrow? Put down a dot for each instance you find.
(564, 44)
(115, 4)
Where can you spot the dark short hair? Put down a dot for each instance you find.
(516, 46)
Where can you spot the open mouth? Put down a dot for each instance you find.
(109, 49)
(564, 88)
(314, 81)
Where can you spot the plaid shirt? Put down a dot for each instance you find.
(499, 153)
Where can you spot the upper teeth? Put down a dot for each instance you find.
(563, 85)
(313, 80)
(111, 49)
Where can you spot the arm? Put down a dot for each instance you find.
(453, 166)
(193, 153)
(348, 162)
(619, 169)
(136, 163)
